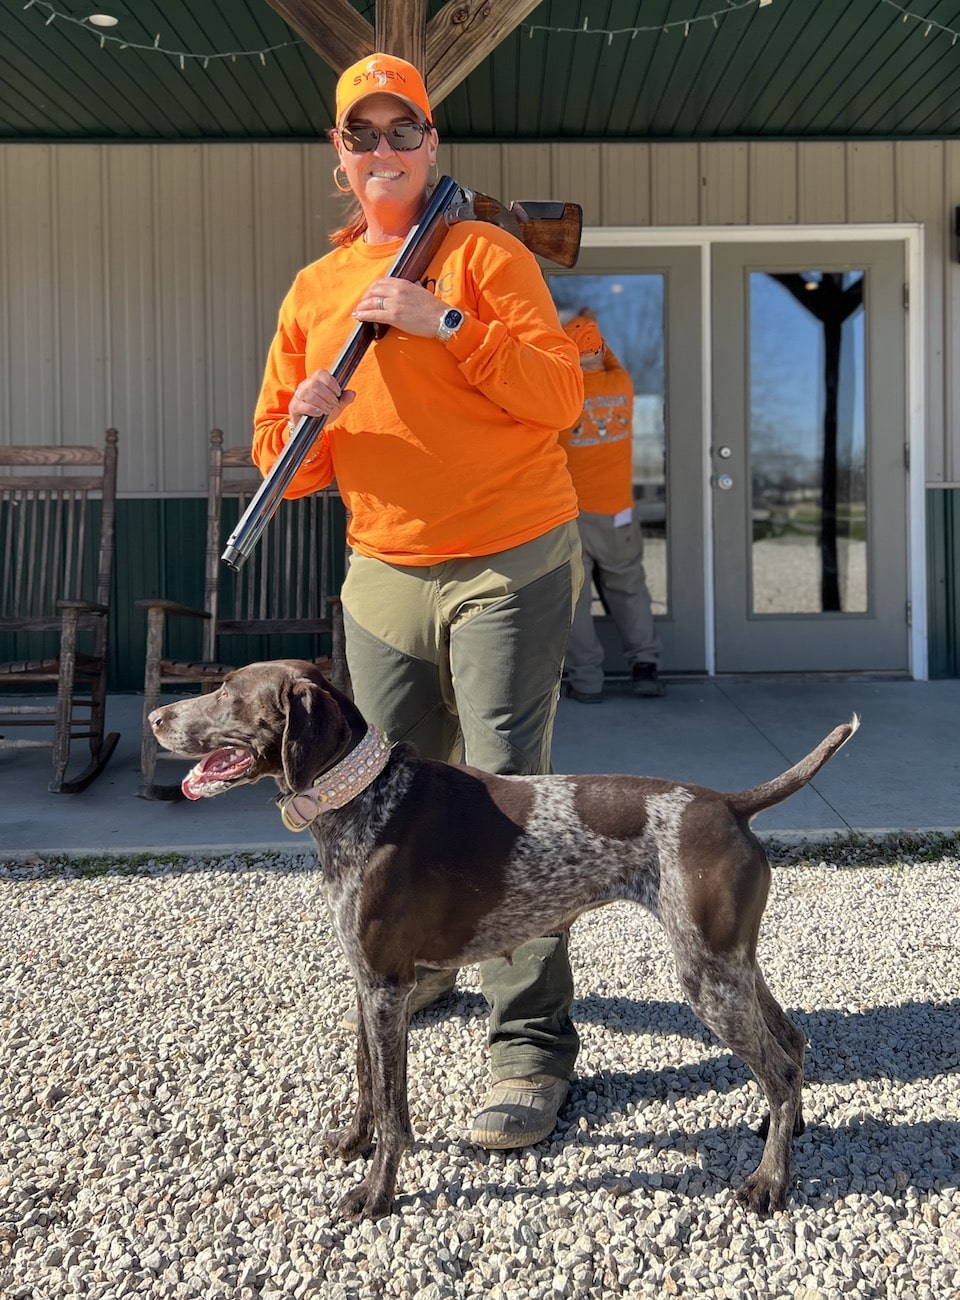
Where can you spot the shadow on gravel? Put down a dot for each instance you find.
(886, 1045)
(639, 1016)
(866, 1158)
(913, 1040)
(859, 1165)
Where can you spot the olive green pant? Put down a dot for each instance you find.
(463, 659)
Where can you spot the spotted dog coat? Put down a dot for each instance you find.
(442, 866)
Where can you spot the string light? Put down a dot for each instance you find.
(929, 25)
(156, 48)
(731, 6)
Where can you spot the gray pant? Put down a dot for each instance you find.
(613, 559)
(463, 659)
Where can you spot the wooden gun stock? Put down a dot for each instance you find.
(549, 229)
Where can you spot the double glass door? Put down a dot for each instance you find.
(775, 512)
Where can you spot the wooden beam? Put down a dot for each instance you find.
(463, 34)
(446, 49)
(332, 28)
(402, 30)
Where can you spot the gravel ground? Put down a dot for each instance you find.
(171, 1055)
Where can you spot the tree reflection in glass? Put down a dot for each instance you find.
(807, 445)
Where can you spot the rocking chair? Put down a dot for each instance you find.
(57, 511)
(290, 585)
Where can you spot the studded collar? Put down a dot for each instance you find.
(339, 784)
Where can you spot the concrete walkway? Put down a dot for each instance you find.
(901, 771)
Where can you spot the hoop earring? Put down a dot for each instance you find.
(344, 189)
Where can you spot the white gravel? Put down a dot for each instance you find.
(171, 1055)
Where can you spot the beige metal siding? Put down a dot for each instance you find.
(724, 169)
(923, 194)
(30, 339)
(821, 184)
(130, 353)
(676, 185)
(870, 182)
(626, 185)
(526, 175)
(140, 284)
(951, 326)
(773, 180)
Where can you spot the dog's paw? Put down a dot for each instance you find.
(348, 1143)
(761, 1195)
(362, 1202)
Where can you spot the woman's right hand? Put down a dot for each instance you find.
(319, 394)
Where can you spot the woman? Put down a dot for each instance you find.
(465, 560)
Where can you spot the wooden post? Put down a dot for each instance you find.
(401, 30)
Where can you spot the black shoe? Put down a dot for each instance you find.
(646, 680)
(584, 697)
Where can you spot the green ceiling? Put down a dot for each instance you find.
(705, 70)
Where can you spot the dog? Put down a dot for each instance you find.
(429, 864)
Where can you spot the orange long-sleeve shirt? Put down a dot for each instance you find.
(449, 449)
(599, 447)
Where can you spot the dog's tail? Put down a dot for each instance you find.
(750, 802)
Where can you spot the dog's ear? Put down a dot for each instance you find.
(301, 750)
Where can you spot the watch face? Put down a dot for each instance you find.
(452, 319)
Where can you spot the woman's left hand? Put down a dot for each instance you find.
(408, 306)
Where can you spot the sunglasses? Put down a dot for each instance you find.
(404, 137)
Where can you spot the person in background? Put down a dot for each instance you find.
(599, 451)
(464, 562)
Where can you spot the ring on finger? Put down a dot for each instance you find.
(380, 304)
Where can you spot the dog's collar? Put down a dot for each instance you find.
(341, 783)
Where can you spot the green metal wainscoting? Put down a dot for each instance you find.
(160, 546)
(943, 581)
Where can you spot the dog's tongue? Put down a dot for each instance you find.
(213, 771)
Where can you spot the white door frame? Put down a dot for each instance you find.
(704, 237)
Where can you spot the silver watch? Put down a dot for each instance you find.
(450, 322)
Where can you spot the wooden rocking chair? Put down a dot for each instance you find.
(57, 512)
(289, 585)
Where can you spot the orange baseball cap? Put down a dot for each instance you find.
(585, 334)
(381, 74)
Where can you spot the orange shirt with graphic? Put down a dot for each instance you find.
(449, 450)
(599, 447)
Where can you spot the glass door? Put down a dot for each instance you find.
(808, 458)
(647, 306)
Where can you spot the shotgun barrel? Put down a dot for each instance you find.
(265, 502)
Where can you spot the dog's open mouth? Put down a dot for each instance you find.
(216, 771)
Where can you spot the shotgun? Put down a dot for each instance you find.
(549, 229)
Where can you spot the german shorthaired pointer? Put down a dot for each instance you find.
(440, 866)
